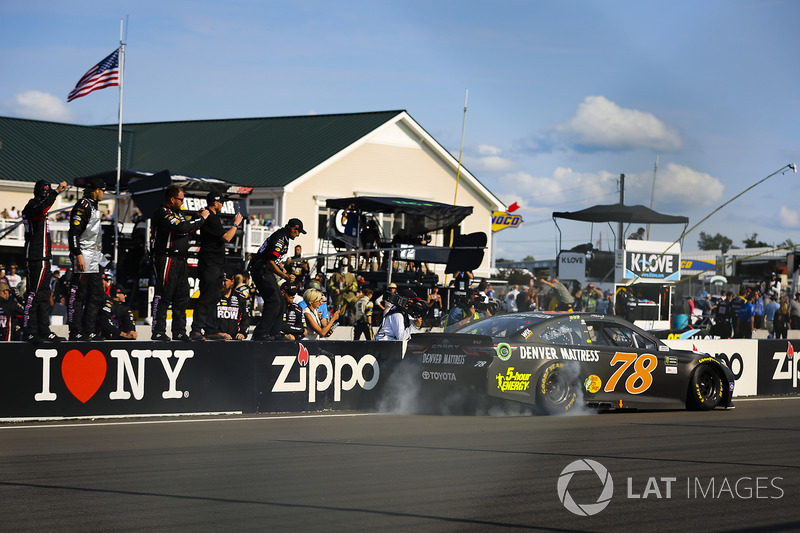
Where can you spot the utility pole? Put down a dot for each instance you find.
(620, 236)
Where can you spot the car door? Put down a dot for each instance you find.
(632, 369)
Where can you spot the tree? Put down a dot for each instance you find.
(529, 258)
(717, 242)
(751, 242)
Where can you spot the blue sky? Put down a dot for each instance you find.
(563, 96)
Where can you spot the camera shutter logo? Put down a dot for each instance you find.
(586, 509)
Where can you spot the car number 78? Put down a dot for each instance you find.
(642, 376)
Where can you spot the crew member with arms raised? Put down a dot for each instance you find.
(170, 247)
(264, 267)
(213, 237)
(38, 254)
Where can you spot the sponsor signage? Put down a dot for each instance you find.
(649, 261)
(572, 265)
(741, 356)
(502, 220)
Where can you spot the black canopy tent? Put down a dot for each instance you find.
(628, 214)
(422, 216)
(146, 188)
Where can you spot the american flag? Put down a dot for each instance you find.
(102, 75)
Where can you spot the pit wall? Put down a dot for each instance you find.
(761, 367)
(117, 378)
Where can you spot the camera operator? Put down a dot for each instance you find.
(464, 310)
(403, 318)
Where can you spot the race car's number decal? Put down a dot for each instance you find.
(642, 377)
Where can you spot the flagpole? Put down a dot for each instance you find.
(119, 147)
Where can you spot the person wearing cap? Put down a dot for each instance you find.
(723, 315)
(293, 326)
(606, 305)
(116, 320)
(86, 251)
(230, 319)
(266, 264)
(38, 255)
(10, 314)
(213, 236)
(170, 232)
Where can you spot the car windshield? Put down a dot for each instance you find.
(503, 326)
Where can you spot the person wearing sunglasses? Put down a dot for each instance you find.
(170, 231)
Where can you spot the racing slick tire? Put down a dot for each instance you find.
(557, 389)
(705, 388)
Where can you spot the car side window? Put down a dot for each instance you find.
(563, 332)
(594, 335)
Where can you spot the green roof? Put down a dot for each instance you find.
(258, 152)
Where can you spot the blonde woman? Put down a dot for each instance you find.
(313, 299)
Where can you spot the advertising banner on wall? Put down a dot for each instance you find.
(142, 377)
(741, 356)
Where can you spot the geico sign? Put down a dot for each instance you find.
(334, 373)
(84, 374)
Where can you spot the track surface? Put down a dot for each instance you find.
(398, 472)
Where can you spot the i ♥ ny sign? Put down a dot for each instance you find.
(84, 374)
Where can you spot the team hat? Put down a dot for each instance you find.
(296, 223)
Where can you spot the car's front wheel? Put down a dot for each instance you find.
(557, 388)
(705, 388)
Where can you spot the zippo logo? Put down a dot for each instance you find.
(84, 374)
(309, 366)
(788, 360)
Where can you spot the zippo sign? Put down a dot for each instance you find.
(324, 375)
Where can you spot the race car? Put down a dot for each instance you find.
(558, 362)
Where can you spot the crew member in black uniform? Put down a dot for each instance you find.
(293, 326)
(10, 314)
(213, 237)
(170, 247)
(86, 294)
(230, 320)
(39, 257)
(116, 320)
(265, 265)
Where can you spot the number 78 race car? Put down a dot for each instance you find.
(559, 362)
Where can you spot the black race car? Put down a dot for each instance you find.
(561, 361)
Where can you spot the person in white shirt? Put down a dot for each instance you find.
(511, 300)
(399, 323)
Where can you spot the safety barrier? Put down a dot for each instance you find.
(148, 378)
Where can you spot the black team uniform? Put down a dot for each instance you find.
(116, 317)
(36, 322)
(274, 249)
(293, 320)
(230, 314)
(170, 248)
(210, 266)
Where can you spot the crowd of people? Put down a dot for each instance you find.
(276, 296)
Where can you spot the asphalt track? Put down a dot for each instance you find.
(733, 470)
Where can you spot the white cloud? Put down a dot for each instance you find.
(789, 218)
(38, 105)
(600, 123)
(678, 187)
(563, 190)
(489, 159)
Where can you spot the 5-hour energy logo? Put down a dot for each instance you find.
(513, 381)
(662, 487)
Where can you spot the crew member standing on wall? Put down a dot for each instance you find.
(86, 294)
(170, 248)
(213, 237)
(36, 322)
(265, 265)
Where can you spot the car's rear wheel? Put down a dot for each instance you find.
(557, 389)
(705, 388)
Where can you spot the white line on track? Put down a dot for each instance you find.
(187, 420)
